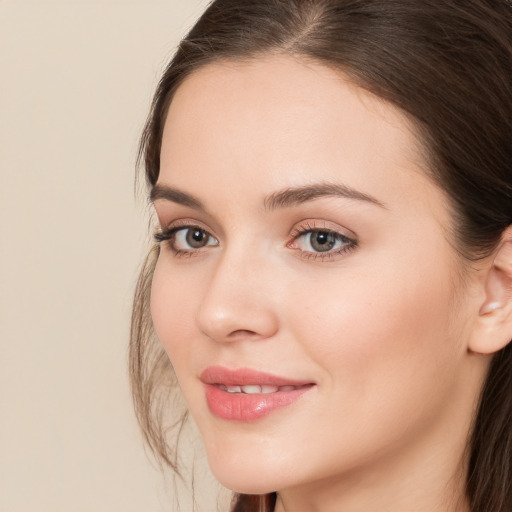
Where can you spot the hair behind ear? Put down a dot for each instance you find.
(489, 483)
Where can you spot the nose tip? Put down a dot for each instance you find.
(231, 321)
(237, 307)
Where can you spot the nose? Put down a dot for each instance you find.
(239, 300)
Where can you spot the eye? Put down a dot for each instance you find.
(186, 239)
(320, 243)
(192, 238)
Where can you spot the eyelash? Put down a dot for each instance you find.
(168, 236)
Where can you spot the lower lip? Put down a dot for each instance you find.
(245, 407)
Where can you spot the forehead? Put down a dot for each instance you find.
(280, 122)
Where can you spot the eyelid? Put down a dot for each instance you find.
(186, 222)
(168, 215)
(321, 225)
(183, 223)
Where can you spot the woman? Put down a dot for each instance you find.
(332, 275)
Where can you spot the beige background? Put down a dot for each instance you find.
(76, 78)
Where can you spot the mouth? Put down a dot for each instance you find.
(247, 395)
(254, 389)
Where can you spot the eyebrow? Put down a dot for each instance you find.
(286, 198)
(298, 195)
(176, 196)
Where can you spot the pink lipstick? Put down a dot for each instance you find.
(247, 395)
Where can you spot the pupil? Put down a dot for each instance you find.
(321, 238)
(323, 241)
(196, 238)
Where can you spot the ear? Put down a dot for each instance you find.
(493, 330)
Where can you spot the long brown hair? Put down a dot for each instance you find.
(448, 65)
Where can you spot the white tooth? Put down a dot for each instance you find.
(251, 390)
(224, 388)
(286, 388)
(269, 389)
(234, 389)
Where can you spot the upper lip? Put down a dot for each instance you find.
(246, 377)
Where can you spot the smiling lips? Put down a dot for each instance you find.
(255, 390)
(247, 395)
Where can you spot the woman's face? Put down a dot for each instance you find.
(306, 256)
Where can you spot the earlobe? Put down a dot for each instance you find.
(493, 330)
(489, 307)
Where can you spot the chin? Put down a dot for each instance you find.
(246, 486)
(244, 476)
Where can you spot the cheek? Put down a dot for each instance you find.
(385, 356)
(172, 304)
(362, 315)
(385, 336)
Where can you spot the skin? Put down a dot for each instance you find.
(381, 329)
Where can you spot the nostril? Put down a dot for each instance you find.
(243, 333)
